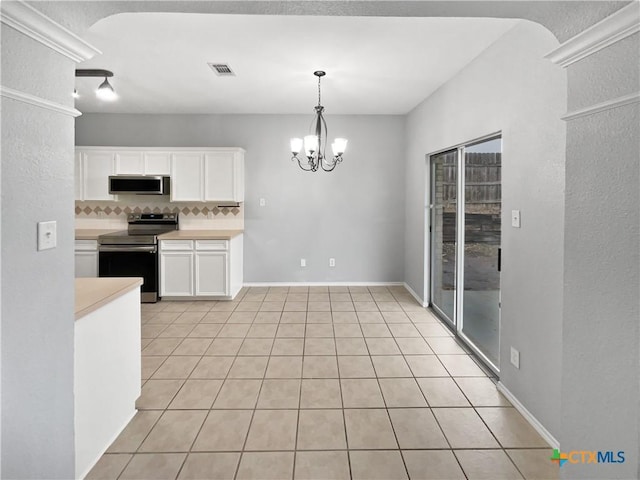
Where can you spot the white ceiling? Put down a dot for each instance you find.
(374, 65)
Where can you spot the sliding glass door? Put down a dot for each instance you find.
(480, 305)
(466, 196)
(444, 174)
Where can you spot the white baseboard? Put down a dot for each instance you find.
(415, 295)
(533, 421)
(322, 284)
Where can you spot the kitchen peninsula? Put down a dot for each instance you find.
(107, 363)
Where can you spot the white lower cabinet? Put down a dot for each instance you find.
(86, 258)
(176, 273)
(201, 268)
(212, 273)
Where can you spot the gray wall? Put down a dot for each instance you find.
(353, 214)
(601, 335)
(37, 287)
(510, 88)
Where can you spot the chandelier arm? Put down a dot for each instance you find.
(336, 160)
(313, 121)
(331, 165)
(318, 133)
(295, 157)
(326, 135)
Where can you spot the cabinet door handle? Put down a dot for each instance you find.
(499, 259)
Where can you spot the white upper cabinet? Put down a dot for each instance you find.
(157, 163)
(78, 175)
(197, 175)
(140, 162)
(212, 175)
(96, 166)
(223, 174)
(129, 163)
(186, 177)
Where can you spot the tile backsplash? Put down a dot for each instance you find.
(91, 214)
(102, 209)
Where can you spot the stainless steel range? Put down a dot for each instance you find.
(134, 252)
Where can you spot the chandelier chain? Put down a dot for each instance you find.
(319, 103)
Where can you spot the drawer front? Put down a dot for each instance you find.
(166, 245)
(86, 245)
(212, 244)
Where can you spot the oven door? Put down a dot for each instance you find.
(131, 261)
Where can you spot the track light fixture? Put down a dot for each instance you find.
(105, 91)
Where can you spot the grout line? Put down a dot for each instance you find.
(295, 454)
(504, 450)
(384, 401)
(446, 438)
(344, 417)
(214, 399)
(459, 464)
(410, 449)
(397, 295)
(125, 466)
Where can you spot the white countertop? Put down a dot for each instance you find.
(200, 235)
(93, 293)
(92, 233)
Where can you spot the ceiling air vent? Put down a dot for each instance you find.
(222, 69)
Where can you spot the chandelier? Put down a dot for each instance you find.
(315, 145)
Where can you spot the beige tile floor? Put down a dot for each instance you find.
(316, 383)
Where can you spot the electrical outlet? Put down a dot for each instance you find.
(515, 218)
(515, 358)
(263, 202)
(303, 262)
(332, 262)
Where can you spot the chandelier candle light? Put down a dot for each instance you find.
(314, 145)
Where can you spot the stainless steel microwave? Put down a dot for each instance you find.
(139, 185)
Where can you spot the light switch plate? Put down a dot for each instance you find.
(47, 235)
(263, 202)
(515, 218)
